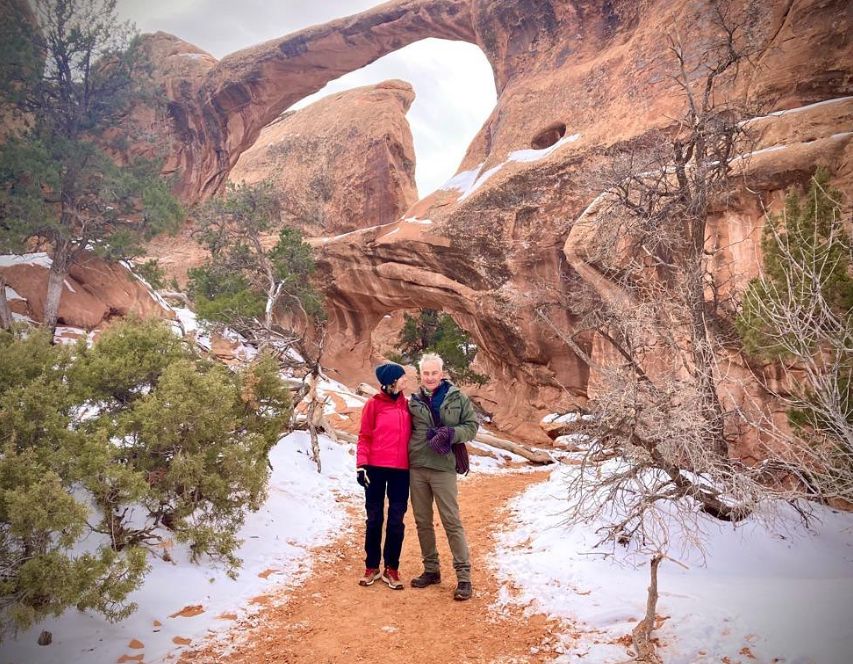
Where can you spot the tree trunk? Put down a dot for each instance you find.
(312, 418)
(55, 282)
(272, 296)
(642, 633)
(5, 312)
(703, 353)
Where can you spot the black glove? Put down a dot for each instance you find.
(361, 477)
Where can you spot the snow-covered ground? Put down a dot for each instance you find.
(304, 509)
(40, 258)
(765, 597)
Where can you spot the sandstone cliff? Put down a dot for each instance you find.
(215, 111)
(497, 238)
(344, 162)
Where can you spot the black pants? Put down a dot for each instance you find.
(394, 483)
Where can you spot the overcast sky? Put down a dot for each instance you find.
(452, 80)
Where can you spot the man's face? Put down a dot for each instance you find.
(431, 375)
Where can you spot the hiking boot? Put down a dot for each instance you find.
(392, 578)
(426, 579)
(371, 574)
(463, 591)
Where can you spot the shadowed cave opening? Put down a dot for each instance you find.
(548, 136)
(405, 335)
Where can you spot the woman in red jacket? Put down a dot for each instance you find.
(382, 468)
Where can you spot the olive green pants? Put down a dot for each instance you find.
(425, 486)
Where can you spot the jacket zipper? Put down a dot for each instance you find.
(400, 428)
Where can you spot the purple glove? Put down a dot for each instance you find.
(442, 441)
(431, 432)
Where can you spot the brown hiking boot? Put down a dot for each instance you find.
(426, 579)
(463, 591)
(392, 578)
(371, 574)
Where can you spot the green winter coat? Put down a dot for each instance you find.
(456, 411)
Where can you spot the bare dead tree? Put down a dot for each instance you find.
(642, 633)
(315, 417)
(640, 252)
(658, 434)
(646, 426)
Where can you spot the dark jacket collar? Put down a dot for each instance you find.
(444, 388)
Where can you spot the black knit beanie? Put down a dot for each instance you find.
(387, 373)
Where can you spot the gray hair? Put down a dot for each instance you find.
(430, 357)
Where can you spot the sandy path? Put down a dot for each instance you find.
(332, 619)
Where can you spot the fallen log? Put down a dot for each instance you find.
(178, 297)
(533, 456)
(292, 383)
(538, 457)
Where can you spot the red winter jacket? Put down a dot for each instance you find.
(385, 429)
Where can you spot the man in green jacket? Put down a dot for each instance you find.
(442, 421)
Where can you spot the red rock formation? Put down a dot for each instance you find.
(95, 290)
(593, 75)
(181, 69)
(494, 250)
(344, 162)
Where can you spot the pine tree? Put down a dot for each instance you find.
(41, 518)
(799, 313)
(245, 281)
(71, 72)
(806, 260)
(437, 332)
(194, 468)
(93, 436)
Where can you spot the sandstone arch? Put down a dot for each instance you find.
(489, 246)
(501, 238)
(217, 109)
